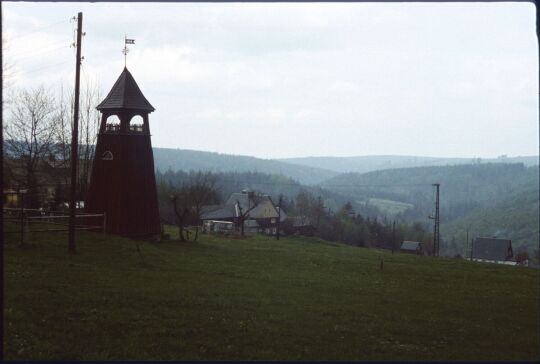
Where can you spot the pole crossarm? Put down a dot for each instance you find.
(314, 1)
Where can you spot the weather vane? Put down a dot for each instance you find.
(126, 49)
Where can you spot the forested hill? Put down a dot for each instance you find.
(491, 198)
(186, 160)
(364, 164)
(516, 217)
(462, 188)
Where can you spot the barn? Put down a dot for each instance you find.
(412, 247)
(493, 250)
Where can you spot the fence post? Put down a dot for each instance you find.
(104, 223)
(22, 226)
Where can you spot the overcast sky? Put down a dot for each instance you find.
(292, 80)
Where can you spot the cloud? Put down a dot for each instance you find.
(313, 78)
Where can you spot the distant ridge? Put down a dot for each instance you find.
(308, 170)
(186, 160)
(364, 164)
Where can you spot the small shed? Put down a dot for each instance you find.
(412, 247)
(215, 226)
(493, 250)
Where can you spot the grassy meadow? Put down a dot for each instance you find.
(259, 299)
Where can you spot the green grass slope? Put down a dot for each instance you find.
(256, 298)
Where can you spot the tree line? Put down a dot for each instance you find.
(38, 129)
(350, 227)
(181, 195)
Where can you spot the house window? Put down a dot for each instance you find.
(107, 156)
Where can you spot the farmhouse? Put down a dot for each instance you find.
(51, 182)
(260, 214)
(412, 247)
(493, 250)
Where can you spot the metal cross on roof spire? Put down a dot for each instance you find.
(126, 49)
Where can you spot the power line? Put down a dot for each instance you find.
(42, 46)
(295, 184)
(378, 185)
(40, 68)
(328, 186)
(33, 54)
(39, 29)
(318, 186)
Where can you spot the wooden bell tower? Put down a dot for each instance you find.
(123, 183)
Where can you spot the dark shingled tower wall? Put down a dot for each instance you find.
(123, 183)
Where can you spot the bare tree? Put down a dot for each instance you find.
(202, 192)
(88, 129)
(89, 123)
(181, 203)
(189, 199)
(63, 129)
(244, 215)
(30, 134)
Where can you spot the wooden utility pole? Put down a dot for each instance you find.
(75, 139)
(279, 218)
(467, 245)
(320, 207)
(436, 234)
(393, 236)
(20, 194)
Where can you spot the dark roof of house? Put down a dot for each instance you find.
(492, 249)
(263, 209)
(125, 94)
(410, 245)
(243, 198)
(218, 212)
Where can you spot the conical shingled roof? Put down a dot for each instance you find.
(125, 94)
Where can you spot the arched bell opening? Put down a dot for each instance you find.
(136, 124)
(112, 124)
